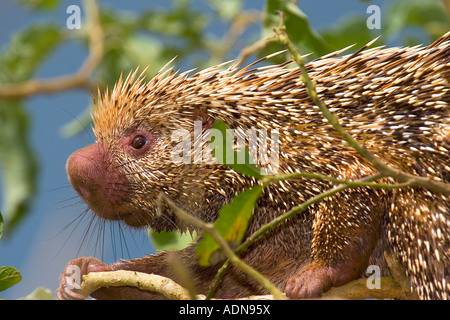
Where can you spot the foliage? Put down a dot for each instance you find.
(171, 240)
(39, 294)
(9, 276)
(18, 62)
(297, 25)
(225, 148)
(231, 225)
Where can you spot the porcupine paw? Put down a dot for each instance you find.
(310, 282)
(70, 278)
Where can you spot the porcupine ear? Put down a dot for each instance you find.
(204, 117)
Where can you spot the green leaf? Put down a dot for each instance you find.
(40, 4)
(170, 240)
(150, 38)
(342, 35)
(27, 50)
(227, 10)
(231, 225)
(19, 163)
(144, 51)
(18, 62)
(9, 276)
(40, 294)
(223, 148)
(426, 15)
(297, 26)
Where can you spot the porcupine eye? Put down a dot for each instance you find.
(139, 142)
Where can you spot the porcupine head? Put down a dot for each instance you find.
(137, 157)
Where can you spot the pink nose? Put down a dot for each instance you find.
(93, 174)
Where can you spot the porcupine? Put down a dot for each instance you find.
(396, 100)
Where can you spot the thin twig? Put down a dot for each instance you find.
(252, 49)
(80, 79)
(238, 26)
(447, 7)
(291, 213)
(359, 183)
(234, 259)
(300, 208)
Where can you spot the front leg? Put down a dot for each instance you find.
(68, 289)
(346, 229)
(157, 264)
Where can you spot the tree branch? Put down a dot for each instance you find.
(143, 281)
(446, 4)
(251, 49)
(237, 28)
(356, 289)
(80, 79)
(357, 183)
